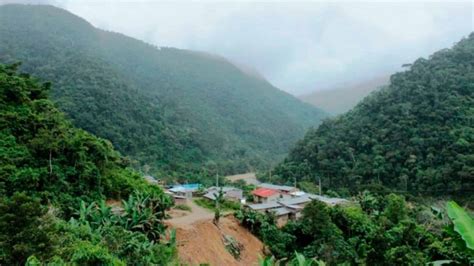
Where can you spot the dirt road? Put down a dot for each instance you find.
(249, 178)
(197, 214)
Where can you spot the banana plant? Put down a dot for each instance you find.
(463, 223)
(268, 261)
(85, 212)
(301, 260)
(143, 213)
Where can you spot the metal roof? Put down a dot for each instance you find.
(276, 187)
(262, 206)
(295, 201)
(224, 189)
(185, 188)
(264, 192)
(210, 195)
(298, 193)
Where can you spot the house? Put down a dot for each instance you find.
(186, 190)
(285, 191)
(283, 215)
(296, 205)
(264, 195)
(177, 199)
(288, 208)
(299, 201)
(230, 193)
(264, 207)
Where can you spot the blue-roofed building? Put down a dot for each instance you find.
(186, 190)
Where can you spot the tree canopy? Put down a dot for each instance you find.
(168, 108)
(54, 180)
(416, 135)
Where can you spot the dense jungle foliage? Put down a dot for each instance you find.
(415, 136)
(168, 108)
(382, 230)
(54, 180)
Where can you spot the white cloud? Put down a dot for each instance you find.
(298, 46)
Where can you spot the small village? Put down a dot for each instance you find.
(284, 202)
(194, 210)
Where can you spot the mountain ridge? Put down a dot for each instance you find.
(415, 135)
(201, 109)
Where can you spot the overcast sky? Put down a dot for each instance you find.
(299, 47)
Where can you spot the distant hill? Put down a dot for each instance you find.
(415, 135)
(169, 108)
(342, 99)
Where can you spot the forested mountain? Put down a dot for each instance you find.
(54, 180)
(416, 135)
(342, 99)
(165, 107)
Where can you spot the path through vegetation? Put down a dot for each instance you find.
(197, 214)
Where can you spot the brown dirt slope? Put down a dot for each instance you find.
(203, 243)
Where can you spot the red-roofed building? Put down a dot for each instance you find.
(264, 195)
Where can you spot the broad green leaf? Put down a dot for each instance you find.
(463, 223)
(439, 262)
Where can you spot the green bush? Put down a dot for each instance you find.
(226, 205)
(183, 207)
(54, 180)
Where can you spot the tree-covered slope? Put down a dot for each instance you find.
(54, 180)
(416, 135)
(163, 106)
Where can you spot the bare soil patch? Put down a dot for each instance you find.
(185, 219)
(249, 178)
(204, 243)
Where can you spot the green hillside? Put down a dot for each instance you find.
(54, 180)
(169, 108)
(416, 135)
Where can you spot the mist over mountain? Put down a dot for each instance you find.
(298, 46)
(165, 107)
(343, 98)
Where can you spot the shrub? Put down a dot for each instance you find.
(183, 207)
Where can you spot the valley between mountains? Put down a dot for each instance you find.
(114, 151)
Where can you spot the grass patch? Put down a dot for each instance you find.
(183, 207)
(227, 205)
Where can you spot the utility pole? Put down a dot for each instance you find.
(319, 176)
(217, 179)
(270, 174)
